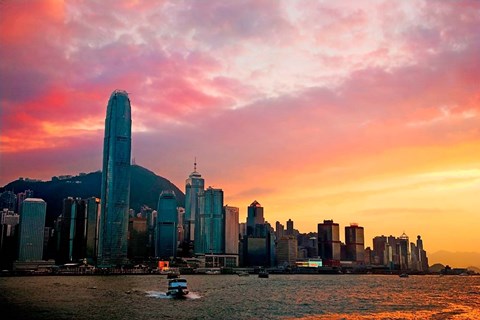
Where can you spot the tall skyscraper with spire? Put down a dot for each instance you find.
(193, 186)
(112, 247)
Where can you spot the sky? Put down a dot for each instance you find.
(356, 111)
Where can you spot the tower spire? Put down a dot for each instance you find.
(195, 164)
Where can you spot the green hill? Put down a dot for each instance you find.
(145, 188)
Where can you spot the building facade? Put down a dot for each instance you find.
(31, 230)
(193, 186)
(329, 241)
(167, 226)
(115, 192)
(210, 224)
(355, 243)
(232, 229)
(254, 217)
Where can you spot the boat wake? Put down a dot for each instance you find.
(163, 295)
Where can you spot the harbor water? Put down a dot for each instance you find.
(233, 297)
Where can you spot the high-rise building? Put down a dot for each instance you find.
(167, 226)
(8, 237)
(193, 186)
(329, 241)
(71, 232)
(232, 230)
(21, 197)
(422, 255)
(279, 230)
(355, 243)
(378, 251)
(287, 251)
(210, 223)
(112, 247)
(8, 200)
(93, 216)
(255, 217)
(31, 233)
(137, 239)
(289, 231)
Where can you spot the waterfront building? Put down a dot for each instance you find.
(329, 242)
(255, 218)
(287, 251)
(355, 243)
(9, 221)
(31, 230)
(422, 255)
(210, 224)
(232, 230)
(167, 226)
(71, 231)
(93, 216)
(403, 252)
(115, 192)
(137, 239)
(193, 186)
(379, 243)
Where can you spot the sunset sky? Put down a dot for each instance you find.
(362, 111)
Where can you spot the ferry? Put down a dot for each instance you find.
(177, 288)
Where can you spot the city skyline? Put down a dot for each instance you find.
(356, 112)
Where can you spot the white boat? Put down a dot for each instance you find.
(177, 288)
(243, 274)
(212, 272)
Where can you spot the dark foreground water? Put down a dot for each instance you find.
(233, 297)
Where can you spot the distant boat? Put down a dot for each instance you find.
(177, 288)
(263, 274)
(243, 274)
(212, 272)
(173, 274)
(403, 275)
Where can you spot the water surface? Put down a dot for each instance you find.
(232, 297)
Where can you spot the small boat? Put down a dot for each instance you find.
(177, 288)
(263, 274)
(243, 274)
(212, 272)
(403, 275)
(173, 275)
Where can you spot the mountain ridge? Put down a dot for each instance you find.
(145, 188)
(458, 259)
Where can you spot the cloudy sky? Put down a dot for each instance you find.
(362, 111)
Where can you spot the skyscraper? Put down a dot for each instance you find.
(193, 186)
(355, 243)
(167, 221)
(329, 241)
(210, 223)
(232, 229)
(254, 217)
(93, 214)
(112, 247)
(289, 231)
(32, 224)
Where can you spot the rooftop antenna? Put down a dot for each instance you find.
(195, 164)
